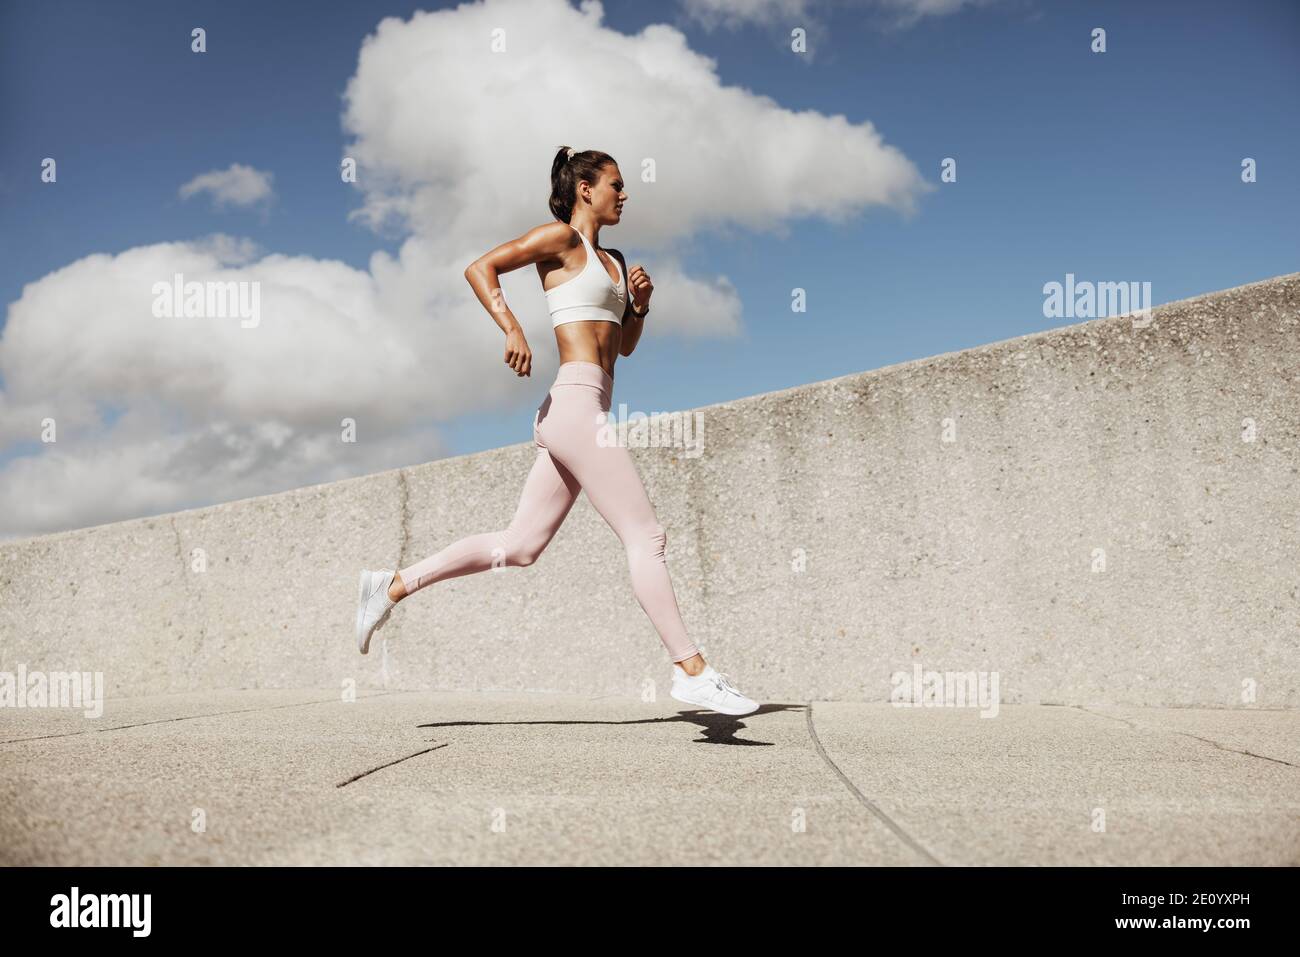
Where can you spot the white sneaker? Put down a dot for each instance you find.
(373, 604)
(710, 689)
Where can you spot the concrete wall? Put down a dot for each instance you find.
(1099, 529)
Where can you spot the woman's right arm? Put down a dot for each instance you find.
(542, 242)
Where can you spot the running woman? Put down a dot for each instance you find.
(598, 311)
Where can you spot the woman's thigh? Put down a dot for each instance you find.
(548, 494)
(573, 430)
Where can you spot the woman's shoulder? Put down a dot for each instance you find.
(552, 230)
(549, 239)
(560, 235)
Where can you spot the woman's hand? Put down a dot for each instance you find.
(641, 287)
(518, 356)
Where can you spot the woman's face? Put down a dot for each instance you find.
(607, 196)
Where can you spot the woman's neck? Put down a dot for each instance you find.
(589, 229)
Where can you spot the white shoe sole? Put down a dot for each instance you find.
(712, 707)
(361, 611)
(363, 640)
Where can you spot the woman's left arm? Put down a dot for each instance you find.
(639, 289)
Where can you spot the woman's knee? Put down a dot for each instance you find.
(524, 551)
(526, 557)
(651, 540)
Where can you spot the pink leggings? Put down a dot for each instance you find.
(571, 459)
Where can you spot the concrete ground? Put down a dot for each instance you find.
(303, 777)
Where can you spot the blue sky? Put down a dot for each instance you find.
(1116, 166)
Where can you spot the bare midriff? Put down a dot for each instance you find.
(589, 341)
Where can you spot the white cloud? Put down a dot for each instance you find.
(239, 185)
(453, 144)
(211, 411)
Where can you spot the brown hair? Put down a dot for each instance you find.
(565, 175)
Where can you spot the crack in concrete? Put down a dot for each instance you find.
(1185, 734)
(357, 777)
(866, 801)
(184, 717)
(1111, 717)
(403, 544)
(1224, 747)
(405, 541)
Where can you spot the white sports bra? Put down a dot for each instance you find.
(589, 295)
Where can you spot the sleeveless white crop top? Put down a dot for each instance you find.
(589, 295)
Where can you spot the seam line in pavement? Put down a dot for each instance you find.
(1185, 734)
(357, 777)
(866, 801)
(186, 717)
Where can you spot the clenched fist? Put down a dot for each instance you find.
(640, 287)
(518, 356)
